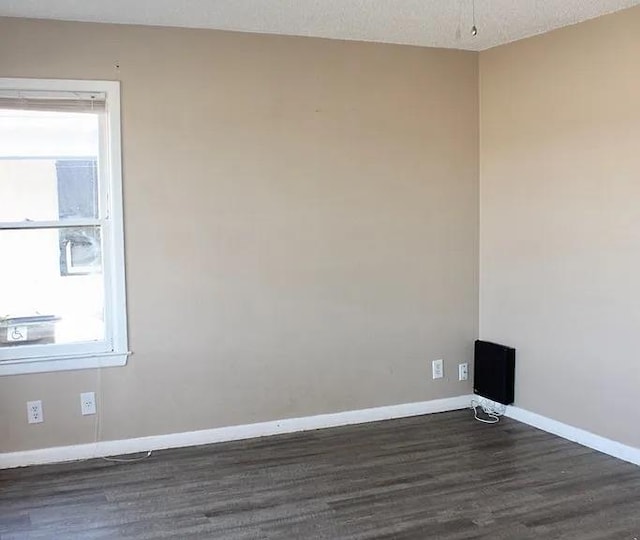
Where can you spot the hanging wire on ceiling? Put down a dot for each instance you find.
(474, 28)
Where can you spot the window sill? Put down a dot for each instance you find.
(62, 363)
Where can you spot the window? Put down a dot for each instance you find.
(62, 288)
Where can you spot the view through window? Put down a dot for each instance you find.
(55, 281)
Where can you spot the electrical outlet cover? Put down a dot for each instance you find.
(437, 369)
(463, 371)
(88, 403)
(34, 412)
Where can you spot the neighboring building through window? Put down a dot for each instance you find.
(62, 290)
(78, 196)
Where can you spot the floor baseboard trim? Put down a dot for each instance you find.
(230, 433)
(580, 436)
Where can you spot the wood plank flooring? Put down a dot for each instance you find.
(441, 476)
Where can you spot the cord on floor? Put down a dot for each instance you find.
(128, 460)
(98, 426)
(492, 410)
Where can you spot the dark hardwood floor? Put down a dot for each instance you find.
(441, 476)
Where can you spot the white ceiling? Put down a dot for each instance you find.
(432, 23)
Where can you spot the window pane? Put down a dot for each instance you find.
(51, 286)
(48, 165)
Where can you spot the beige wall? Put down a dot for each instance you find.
(301, 227)
(560, 220)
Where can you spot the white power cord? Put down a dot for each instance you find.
(492, 409)
(98, 425)
(128, 460)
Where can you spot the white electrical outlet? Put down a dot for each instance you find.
(463, 371)
(437, 369)
(34, 412)
(88, 403)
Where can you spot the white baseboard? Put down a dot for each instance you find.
(308, 423)
(585, 438)
(231, 433)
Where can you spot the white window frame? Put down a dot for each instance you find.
(113, 351)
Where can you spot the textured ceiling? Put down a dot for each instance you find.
(432, 23)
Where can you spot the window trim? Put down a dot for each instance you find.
(115, 351)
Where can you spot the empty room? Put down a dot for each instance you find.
(320, 269)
